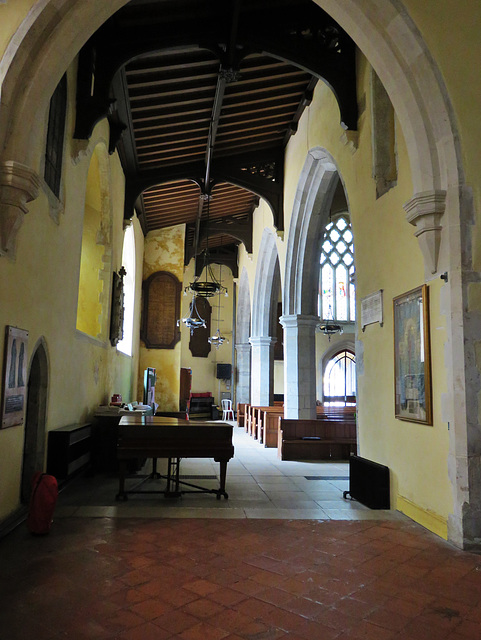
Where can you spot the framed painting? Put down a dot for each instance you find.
(412, 357)
(14, 377)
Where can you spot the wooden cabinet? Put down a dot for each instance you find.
(69, 450)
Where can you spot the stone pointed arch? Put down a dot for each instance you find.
(314, 195)
(441, 208)
(315, 191)
(243, 347)
(264, 309)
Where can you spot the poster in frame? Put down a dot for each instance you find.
(14, 377)
(412, 357)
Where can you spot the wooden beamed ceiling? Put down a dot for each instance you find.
(202, 97)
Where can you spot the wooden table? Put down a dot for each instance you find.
(173, 438)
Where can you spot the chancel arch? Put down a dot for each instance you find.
(264, 319)
(242, 346)
(441, 207)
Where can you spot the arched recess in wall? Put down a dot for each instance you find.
(35, 418)
(95, 260)
(243, 348)
(315, 192)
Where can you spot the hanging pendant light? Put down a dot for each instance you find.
(209, 286)
(329, 327)
(217, 339)
(194, 319)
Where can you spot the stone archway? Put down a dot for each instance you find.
(35, 419)
(315, 191)
(264, 317)
(441, 208)
(243, 348)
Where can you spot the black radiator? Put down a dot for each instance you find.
(368, 483)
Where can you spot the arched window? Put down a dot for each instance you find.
(339, 386)
(336, 292)
(128, 262)
(55, 136)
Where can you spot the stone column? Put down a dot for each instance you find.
(300, 366)
(18, 185)
(262, 371)
(243, 391)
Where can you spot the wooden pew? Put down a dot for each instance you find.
(270, 425)
(241, 414)
(316, 439)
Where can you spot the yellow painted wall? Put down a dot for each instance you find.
(164, 251)
(387, 257)
(39, 291)
(89, 310)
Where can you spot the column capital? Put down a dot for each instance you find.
(424, 211)
(298, 320)
(262, 341)
(18, 185)
(242, 346)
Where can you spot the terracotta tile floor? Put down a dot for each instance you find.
(126, 576)
(207, 579)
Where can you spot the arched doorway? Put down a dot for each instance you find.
(35, 421)
(339, 379)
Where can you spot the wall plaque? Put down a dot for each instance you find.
(371, 309)
(14, 377)
(161, 310)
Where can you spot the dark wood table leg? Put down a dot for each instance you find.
(223, 475)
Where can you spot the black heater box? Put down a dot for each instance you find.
(369, 483)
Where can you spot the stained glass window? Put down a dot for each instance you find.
(336, 291)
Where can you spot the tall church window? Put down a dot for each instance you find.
(128, 262)
(336, 292)
(55, 136)
(340, 380)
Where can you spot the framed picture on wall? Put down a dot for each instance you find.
(412, 357)
(14, 377)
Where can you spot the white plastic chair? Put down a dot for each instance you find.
(227, 410)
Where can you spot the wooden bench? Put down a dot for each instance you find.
(241, 414)
(270, 425)
(316, 439)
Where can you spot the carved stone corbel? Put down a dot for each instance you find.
(18, 185)
(424, 211)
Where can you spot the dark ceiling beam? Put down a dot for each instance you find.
(307, 38)
(261, 173)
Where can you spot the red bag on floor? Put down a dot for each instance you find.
(42, 503)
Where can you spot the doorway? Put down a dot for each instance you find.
(35, 420)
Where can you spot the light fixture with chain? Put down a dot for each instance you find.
(209, 286)
(217, 339)
(194, 319)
